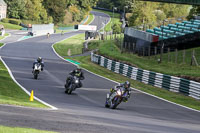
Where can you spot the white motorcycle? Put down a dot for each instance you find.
(37, 69)
(113, 100)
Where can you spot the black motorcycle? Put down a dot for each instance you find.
(113, 100)
(37, 69)
(75, 83)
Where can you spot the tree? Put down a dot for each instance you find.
(35, 11)
(16, 8)
(195, 11)
(56, 9)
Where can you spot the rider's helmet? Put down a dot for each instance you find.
(78, 69)
(127, 85)
(39, 59)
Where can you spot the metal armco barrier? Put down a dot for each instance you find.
(171, 83)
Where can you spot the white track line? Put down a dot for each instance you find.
(27, 92)
(118, 82)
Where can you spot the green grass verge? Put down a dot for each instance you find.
(171, 96)
(1, 44)
(115, 20)
(91, 17)
(5, 129)
(108, 48)
(11, 26)
(87, 64)
(75, 44)
(11, 93)
(2, 37)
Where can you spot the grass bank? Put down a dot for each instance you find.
(4, 129)
(1, 44)
(11, 93)
(73, 44)
(2, 37)
(87, 64)
(109, 49)
(11, 26)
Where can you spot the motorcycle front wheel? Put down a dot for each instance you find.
(115, 102)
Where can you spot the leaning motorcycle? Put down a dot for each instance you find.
(75, 83)
(113, 100)
(37, 69)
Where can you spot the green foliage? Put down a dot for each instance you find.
(56, 9)
(11, 93)
(48, 11)
(4, 129)
(16, 8)
(5, 20)
(14, 21)
(11, 26)
(116, 29)
(194, 12)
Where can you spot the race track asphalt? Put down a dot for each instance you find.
(84, 111)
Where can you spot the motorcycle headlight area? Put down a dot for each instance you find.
(119, 92)
(76, 81)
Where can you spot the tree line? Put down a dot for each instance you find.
(47, 11)
(150, 13)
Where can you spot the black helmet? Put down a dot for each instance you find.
(127, 84)
(39, 59)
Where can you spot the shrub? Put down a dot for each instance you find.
(14, 21)
(5, 20)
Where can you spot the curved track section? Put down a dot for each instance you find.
(84, 111)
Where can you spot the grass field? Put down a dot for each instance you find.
(11, 26)
(4, 129)
(115, 20)
(1, 44)
(2, 37)
(11, 93)
(108, 48)
(87, 64)
(75, 44)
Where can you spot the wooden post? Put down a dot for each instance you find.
(134, 48)
(149, 52)
(155, 52)
(161, 53)
(143, 51)
(122, 46)
(125, 46)
(194, 61)
(169, 55)
(184, 56)
(176, 56)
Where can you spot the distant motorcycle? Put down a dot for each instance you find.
(113, 100)
(37, 69)
(75, 83)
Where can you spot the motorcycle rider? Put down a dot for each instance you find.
(39, 60)
(77, 72)
(126, 85)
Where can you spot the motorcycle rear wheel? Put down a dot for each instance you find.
(35, 76)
